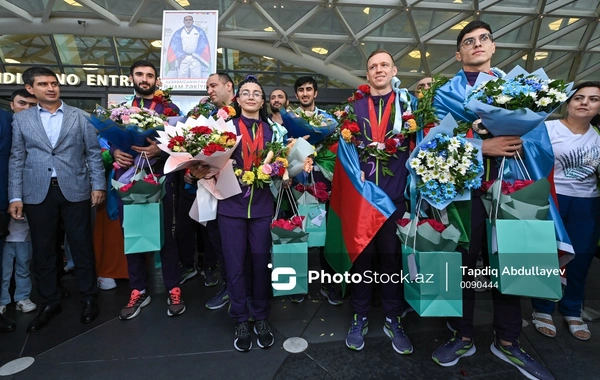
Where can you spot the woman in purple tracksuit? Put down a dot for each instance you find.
(245, 221)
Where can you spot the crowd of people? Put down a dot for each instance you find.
(51, 170)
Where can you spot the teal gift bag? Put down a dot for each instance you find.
(523, 258)
(143, 227)
(314, 213)
(433, 287)
(290, 269)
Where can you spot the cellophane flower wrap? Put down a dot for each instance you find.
(317, 190)
(446, 168)
(143, 188)
(427, 235)
(517, 103)
(284, 231)
(204, 140)
(124, 126)
(521, 199)
(316, 125)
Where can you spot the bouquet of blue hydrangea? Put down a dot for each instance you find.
(444, 167)
(516, 103)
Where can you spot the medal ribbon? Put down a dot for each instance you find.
(250, 148)
(378, 128)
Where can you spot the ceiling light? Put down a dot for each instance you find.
(92, 68)
(555, 25)
(460, 25)
(413, 71)
(457, 2)
(366, 10)
(10, 60)
(220, 50)
(539, 55)
(265, 57)
(320, 50)
(156, 43)
(73, 3)
(183, 3)
(572, 20)
(269, 29)
(417, 54)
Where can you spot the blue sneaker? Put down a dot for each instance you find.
(449, 353)
(218, 301)
(517, 357)
(395, 331)
(355, 338)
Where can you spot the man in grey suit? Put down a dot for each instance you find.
(55, 168)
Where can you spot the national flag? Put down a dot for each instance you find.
(171, 59)
(357, 211)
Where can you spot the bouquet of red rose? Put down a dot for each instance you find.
(143, 188)
(284, 231)
(317, 190)
(522, 199)
(427, 235)
(198, 140)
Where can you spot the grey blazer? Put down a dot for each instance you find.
(77, 158)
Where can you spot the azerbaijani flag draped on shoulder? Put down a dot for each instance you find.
(357, 211)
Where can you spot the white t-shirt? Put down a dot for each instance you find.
(576, 160)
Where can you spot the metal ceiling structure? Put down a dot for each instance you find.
(330, 37)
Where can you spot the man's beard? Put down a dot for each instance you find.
(274, 110)
(143, 92)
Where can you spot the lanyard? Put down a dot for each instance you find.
(378, 127)
(250, 148)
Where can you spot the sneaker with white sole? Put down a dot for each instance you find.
(26, 305)
(137, 301)
(242, 341)
(263, 332)
(188, 274)
(176, 305)
(395, 331)
(218, 300)
(450, 352)
(516, 356)
(355, 340)
(106, 283)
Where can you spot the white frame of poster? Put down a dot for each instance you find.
(200, 63)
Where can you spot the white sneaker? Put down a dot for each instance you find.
(106, 283)
(2, 309)
(26, 305)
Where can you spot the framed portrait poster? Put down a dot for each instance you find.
(189, 49)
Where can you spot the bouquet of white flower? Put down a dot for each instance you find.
(516, 103)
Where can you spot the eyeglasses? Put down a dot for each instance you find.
(247, 94)
(484, 39)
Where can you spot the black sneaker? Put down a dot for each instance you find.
(242, 340)
(209, 277)
(265, 336)
(136, 302)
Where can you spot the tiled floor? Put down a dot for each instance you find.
(198, 344)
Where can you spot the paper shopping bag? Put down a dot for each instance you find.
(314, 214)
(143, 227)
(523, 258)
(433, 287)
(290, 269)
